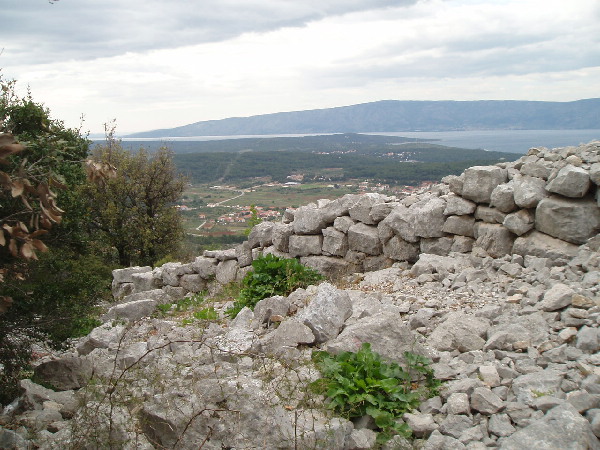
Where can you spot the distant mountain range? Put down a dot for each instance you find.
(394, 115)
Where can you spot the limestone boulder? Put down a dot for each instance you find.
(364, 238)
(570, 181)
(386, 334)
(339, 207)
(528, 387)
(343, 223)
(329, 266)
(562, 427)
(220, 255)
(289, 335)
(489, 215)
(261, 235)
(380, 211)
(132, 311)
(495, 239)
(458, 206)
(146, 281)
(305, 245)
(280, 235)
(379, 262)
(461, 225)
(539, 169)
(595, 173)
(428, 217)
(205, 267)
(460, 332)
(226, 271)
(125, 275)
(480, 181)
(560, 296)
(455, 183)
(335, 243)
(65, 373)
(436, 246)
(443, 265)
(541, 245)
(517, 332)
(503, 198)
(400, 221)
(462, 244)
(268, 307)
(192, 282)
(309, 220)
(100, 337)
(361, 209)
(529, 191)
(398, 249)
(326, 313)
(572, 220)
(519, 222)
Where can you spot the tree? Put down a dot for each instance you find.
(53, 276)
(135, 209)
(39, 156)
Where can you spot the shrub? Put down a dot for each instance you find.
(272, 275)
(359, 384)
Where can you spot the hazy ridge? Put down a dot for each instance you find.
(394, 115)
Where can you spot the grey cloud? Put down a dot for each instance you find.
(488, 55)
(34, 31)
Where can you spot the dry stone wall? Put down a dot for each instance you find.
(543, 205)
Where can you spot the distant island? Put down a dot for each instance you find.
(395, 115)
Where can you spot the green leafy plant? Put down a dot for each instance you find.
(206, 314)
(361, 383)
(272, 275)
(164, 309)
(190, 302)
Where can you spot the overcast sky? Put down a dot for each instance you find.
(164, 63)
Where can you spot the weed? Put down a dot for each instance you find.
(188, 303)
(361, 383)
(272, 275)
(183, 305)
(164, 309)
(206, 314)
(538, 394)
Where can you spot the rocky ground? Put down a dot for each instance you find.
(516, 344)
(515, 337)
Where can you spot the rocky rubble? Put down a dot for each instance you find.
(494, 275)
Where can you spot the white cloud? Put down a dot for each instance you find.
(164, 66)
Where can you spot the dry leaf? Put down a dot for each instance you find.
(39, 245)
(27, 251)
(12, 247)
(17, 188)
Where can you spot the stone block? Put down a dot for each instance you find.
(572, 220)
(364, 238)
(461, 225)
(480, 181)
(495, 239)
(570, 181)
(305, 245)
(335, 243)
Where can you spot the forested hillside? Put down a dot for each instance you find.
(403, 163)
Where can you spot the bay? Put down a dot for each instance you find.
(513, 141)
